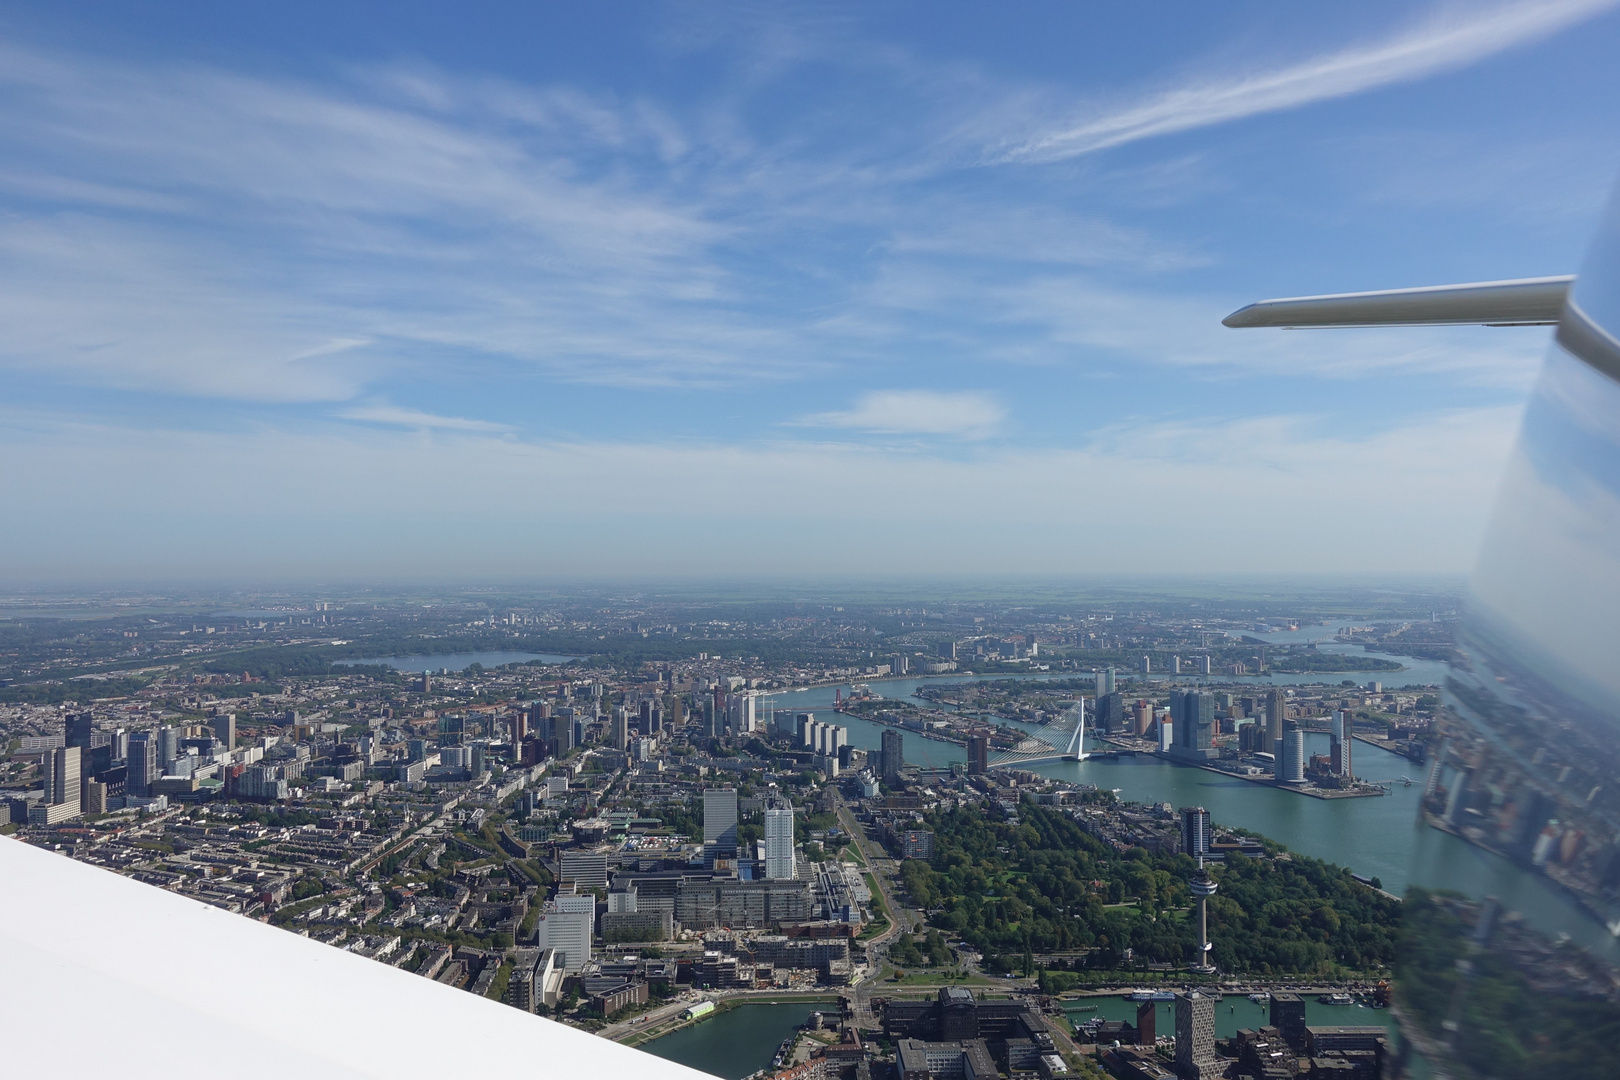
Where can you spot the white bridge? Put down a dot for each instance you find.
(1061, 740)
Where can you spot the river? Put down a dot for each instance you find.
(1378, 837)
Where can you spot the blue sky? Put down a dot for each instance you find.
(499, 290)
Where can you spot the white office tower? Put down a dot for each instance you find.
(779, 863)
(566, 925)
(1167, 735)
(60, 771)
(1145, 665)
(1175, 665)
(720, 821)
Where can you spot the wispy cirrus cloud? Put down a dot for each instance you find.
(394, 416)
(1457, 37)
(970, 414)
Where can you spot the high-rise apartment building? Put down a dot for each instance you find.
(1293, 755)
(720, 821)
(1288, 1017)
(779, 859)
(893, 756)
(1195, 1037)
(1343, 744)
(562, 732)
(1195, 831)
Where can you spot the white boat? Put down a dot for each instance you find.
(1262, 998)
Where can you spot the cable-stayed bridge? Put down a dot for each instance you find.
(1062, 739)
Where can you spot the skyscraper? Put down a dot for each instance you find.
(893, 755)
(1195, 831)
(1276, 713)
(562, 732)
(61, 775)
(225, 729)
(1343, 740)
(1111, 713)
(168, 747)
(79, 727)
(1195, 1037)
(779, 861)
(621, 728)
(1293, 755)
(978, 754)
(1193, 715)
(720, 821)
(142, 762)
(1105, 681)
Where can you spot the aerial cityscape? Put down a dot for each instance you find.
(773, 541)
(639, 814)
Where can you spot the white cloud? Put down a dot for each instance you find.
(968, 413)
(1458, 36)
(412, 418)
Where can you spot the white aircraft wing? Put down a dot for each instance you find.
(1521, 302)
(107, 976)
